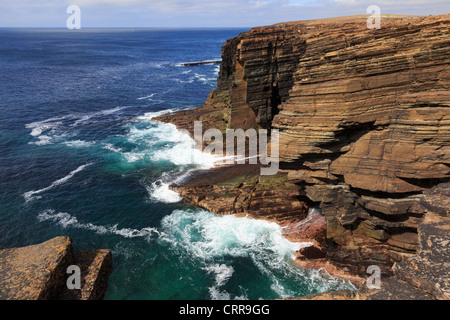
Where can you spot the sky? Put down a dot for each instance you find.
(198, 13)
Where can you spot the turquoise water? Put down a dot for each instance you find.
(81, 156)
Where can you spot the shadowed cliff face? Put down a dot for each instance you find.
(364, 120)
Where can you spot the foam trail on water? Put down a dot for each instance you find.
(53, 130)
(146, 97)
(86, 117)
(79, 143)
(65, 220)
(112, 148)
(31, 195)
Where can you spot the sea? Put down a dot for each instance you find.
(80, 156)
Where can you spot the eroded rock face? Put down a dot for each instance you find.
(424, 276)
(242, 191)
(429, 270)
(364, 120)
(39, 272)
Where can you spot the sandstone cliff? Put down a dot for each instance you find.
(364, 124)
(39, 272)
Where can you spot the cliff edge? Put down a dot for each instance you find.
(364, 125)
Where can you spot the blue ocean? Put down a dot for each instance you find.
(80, 156)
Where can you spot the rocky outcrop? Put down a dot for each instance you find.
(241, 190)
(39, 272)
(364, 125)
(422, 277)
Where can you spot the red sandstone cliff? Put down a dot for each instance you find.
(364, 120)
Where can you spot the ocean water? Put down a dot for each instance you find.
(81, 156)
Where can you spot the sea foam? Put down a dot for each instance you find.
(31, 195)
(57, 129)
(66, 220)
(209, 238)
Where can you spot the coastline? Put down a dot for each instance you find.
(216, 190)
(348, 141)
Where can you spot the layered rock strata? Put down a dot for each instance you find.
(364, 121)
(241, 190)
(39, 272)
(424, 276)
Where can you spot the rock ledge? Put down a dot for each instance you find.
(39, 272)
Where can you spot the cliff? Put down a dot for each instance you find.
(364, 127)
(39, 272)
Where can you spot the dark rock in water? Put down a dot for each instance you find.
(200, 63)
(39, 272)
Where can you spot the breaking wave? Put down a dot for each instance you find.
(56, 129)
(209, 238)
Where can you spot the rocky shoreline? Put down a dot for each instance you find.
(364, 126)
(364, 173)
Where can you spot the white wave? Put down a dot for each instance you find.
(209, 238)
(222, 272)
(147, 97)
(191, 80)
(132, 157)
(182, 151)
(49, 126)
(161, 193)
(112, 148)
(42, 141)
(226, 235)
(84, 118)
(54, 129)
(198, 77)
(65, 220)
(31, 195)
(39, 126)
(150, 115)
(216, 294)
(163, 142)
(79, 143)
(159, 190)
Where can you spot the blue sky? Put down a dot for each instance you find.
(198, 13)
